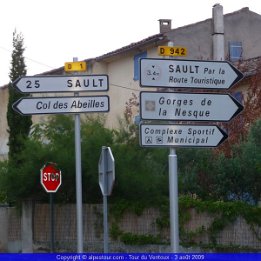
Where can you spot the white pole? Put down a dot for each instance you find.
(173, 197)
(77, 127)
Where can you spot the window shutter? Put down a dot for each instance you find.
(235, 51)
(136, 59)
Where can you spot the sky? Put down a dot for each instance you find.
(55, 31)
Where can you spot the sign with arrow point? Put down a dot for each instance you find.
(188, 106)
(188, 74)
(76, 83)
(168, 135)
(56, 105)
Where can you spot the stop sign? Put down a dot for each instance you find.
(51, 177)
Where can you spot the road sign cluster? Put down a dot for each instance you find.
(184, 106)
(50, 176)
(64, 104)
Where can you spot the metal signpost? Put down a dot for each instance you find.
(78, 169)
(178, 106)
(106, 169)
(56, 105)
(51, 180)
(170, 73)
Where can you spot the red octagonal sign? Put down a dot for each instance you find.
(51, 177)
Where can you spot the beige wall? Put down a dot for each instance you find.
(121, 88)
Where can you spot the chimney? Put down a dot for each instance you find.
(165, 25)
(218, 32)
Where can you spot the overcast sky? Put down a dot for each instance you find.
(55, 31)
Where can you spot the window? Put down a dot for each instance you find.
(136, 59)
(235, 51)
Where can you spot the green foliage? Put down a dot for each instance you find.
(224, 213)
(141, 173)
(214, 176)
(115, 231)
(54, 142)
(145, 181)
(134, 239)
(196, 167)
(140, 176)
(239, 177)
(19, 126)
(3, 171)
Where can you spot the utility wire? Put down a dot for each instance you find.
(124, 87)
(51, 67)
(27, 58)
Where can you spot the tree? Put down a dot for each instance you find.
(215, 176)
(238, 127)
(239, 177)
(19, 126)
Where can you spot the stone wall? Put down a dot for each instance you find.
(238, 233)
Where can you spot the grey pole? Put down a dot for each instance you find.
(173, 200)
(105, 203)
(77, 128)
(51, 200)
(105, 225)
(173, 197)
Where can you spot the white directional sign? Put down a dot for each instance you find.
(56, 105)
(75, 83)
(188, 106)
(167, 135)
(188, 74)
